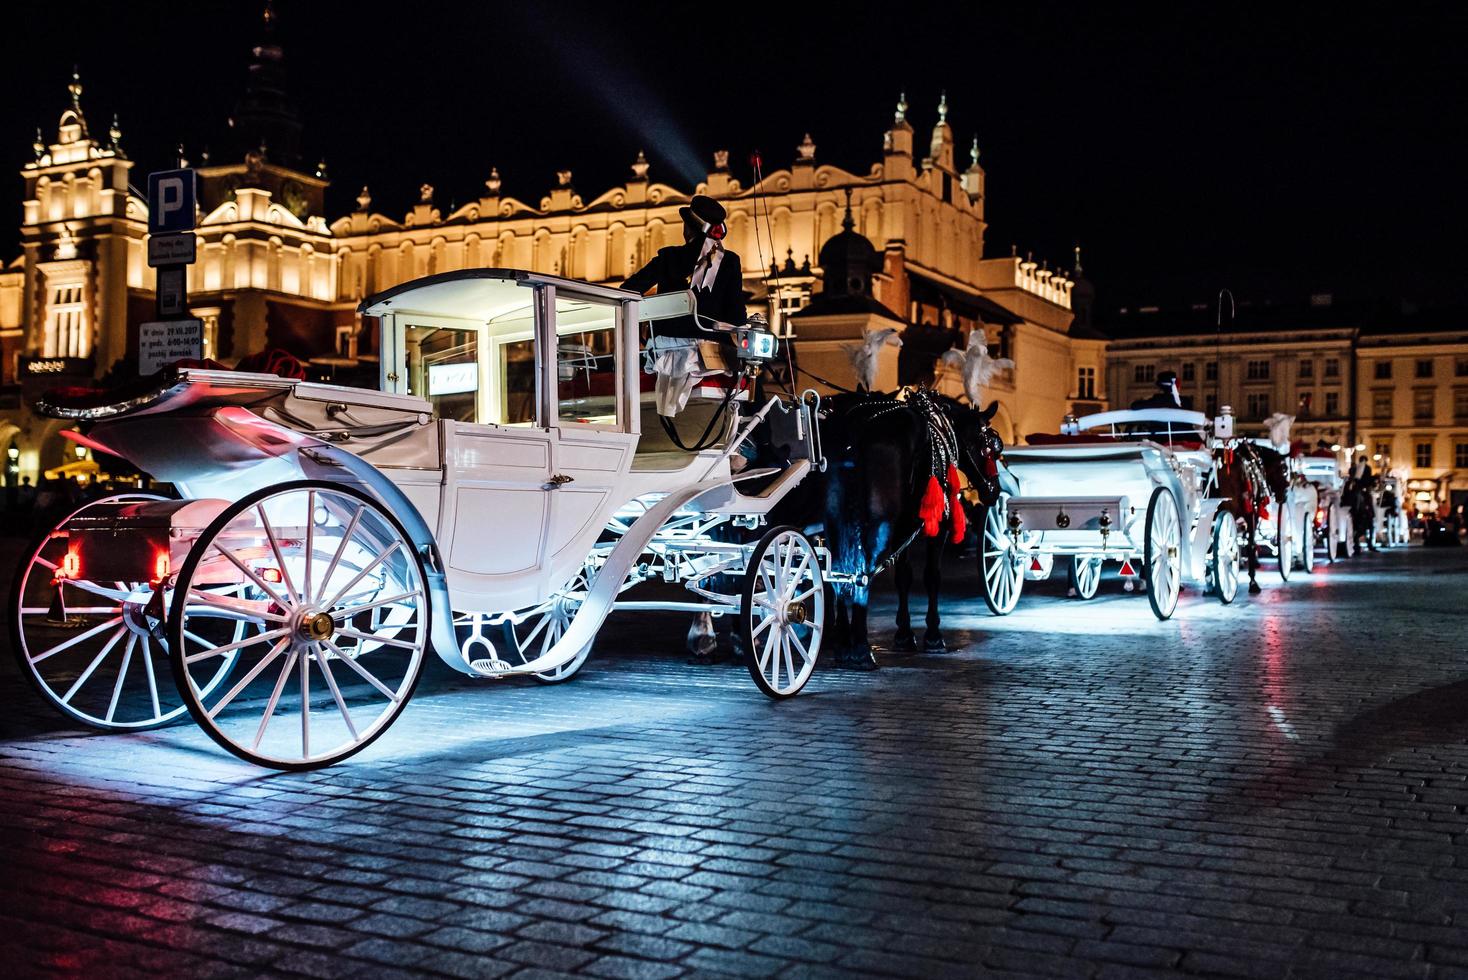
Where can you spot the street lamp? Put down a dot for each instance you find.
(81, 452)
(13, 452)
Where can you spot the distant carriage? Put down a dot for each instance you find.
(1125, 487)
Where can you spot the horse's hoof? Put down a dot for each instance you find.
(1254, 588)
(904, 643)
(934, 644)
(857, 660)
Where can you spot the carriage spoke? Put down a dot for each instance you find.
(152, 681)
(306, 705)
(363, 574)
(92, 667)
(114, 621)
(804, 653)
(274, 698)
(250, 573)
(372, 638)
(763, 625)
(285, 573)
(362, 672)
(234, 604)
(324, 663)
(245, 681)
(127, 659)
(215, 651)
(340, 550)
(306, 591)
(353, 610)
(786, 636)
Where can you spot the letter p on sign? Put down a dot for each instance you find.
(170, 201)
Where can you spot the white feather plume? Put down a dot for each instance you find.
(866, 356)
(975, 364)
(1278, 427)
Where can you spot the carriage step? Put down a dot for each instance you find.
(491, 667)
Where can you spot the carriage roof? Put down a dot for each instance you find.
(485, 293)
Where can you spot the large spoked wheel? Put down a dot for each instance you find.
(783, 612)
(534, 635)
(1307, 541)
(1346, 533)
(1327, 533)
(1163, 555)
(1001, 567)
(1223, 559)
(93, 648)
(1284, 543)
(1085, 576)
(341, 602)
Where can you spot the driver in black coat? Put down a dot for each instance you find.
(1166, 395)
(702, 264)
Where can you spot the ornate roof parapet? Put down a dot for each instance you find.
(563, 196)
(1035, 278)
(720, 183)
(423, 213)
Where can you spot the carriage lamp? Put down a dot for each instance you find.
(13, 452)
(271, 575)
(1360, 447)
(81, 451)
(1105, 524)
(1014, 522)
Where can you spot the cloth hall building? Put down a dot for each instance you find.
(275, 271)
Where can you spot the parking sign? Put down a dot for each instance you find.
(170, 201)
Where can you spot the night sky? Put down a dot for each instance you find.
(1265, 149)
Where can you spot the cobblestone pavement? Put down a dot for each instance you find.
(1272, 788)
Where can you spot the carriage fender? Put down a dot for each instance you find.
(323, 461)
(609, 578)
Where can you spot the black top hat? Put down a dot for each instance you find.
(705, 209)
(1167, 379)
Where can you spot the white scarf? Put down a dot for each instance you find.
(707, 266)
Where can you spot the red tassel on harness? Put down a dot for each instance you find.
(955, 506)
(931, 510)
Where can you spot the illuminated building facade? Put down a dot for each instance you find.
(273, 271)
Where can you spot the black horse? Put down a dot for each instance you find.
(882, 454)
(1248, 476)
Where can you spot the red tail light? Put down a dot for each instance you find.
(71, 565)
(271, 575)
(161, 566)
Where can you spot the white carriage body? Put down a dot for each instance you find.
(510, 440)
(1085, 493)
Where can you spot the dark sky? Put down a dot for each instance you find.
(1186, 149)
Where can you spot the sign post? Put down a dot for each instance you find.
(172, 248)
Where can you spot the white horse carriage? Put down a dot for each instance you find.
(1121, 486)
(1334, 528)
(1287, 530)
(492, 502)
(1389, 501)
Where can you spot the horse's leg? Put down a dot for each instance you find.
(1253, 523)
(933, 582)
(859, 655)
(903, 640)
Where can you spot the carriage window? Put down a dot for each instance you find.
(587, 361)
(443, 366)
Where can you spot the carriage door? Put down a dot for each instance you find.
(589, 400)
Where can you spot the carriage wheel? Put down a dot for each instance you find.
(1163, 555)
(1223, 562)
(90, 647)
(1327, 533)
(1001, 567)
(1284, 544)
(1307, 541)
(1085, 576)
(534, 635)
(783, 612)
(1347, 534)
(338, 592)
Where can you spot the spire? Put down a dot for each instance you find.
(973, 153)
(943, 107)
(900, 119)
(265, 111)
(75, 88)
(39, 145)
(114, 135)
(1078, 269)
(941, 146)
(848, 223)
(364, 200)
(640, 166)
(493, 183)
